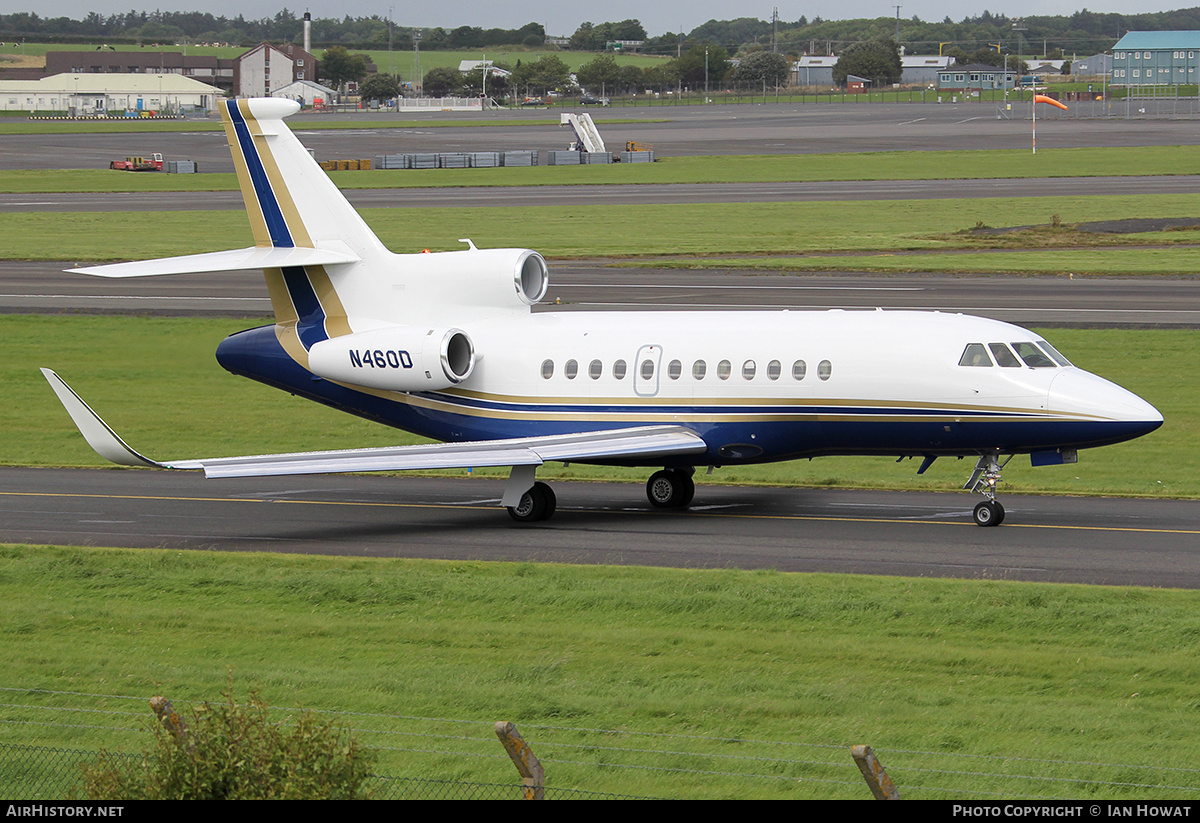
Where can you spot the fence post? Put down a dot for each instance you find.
(169, 718)
(872, 771)
(528, 766)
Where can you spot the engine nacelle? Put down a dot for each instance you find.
(400, 358)
(490, 278)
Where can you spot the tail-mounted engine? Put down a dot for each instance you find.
(399, 358)
(461, 281)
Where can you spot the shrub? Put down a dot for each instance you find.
(232, 751)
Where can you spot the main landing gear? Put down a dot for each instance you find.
(671, 488)
(536, 504)
(983, 480)
(666, 489)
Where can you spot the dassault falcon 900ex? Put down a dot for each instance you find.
(446, 345)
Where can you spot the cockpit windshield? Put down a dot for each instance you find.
(1054, 353)
(1034, 357)
(1040, 355)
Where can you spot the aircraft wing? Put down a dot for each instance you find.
(254, 258)
(611, 444)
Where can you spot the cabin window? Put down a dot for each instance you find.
(699, 369)
(619, 370)
(547, 369)
(724, 369)
(1054, 353)
(774, 369)
(1033, 356)
(975, 355)
(1004, 356)
(799, 369)
(824, 369)
(595, 369)
(571, 370)
(748, 370)
(647, 369)
(674, 369)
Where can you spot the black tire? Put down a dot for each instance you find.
(687, 489)
(670, 489)
(989, 513)
(536, 504)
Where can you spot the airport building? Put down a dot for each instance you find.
(217, 71)
(916, 69)
(1095, 65)
(266, 67)
(307, 93)
(1156, 58)
(976, 76)
(99, 94)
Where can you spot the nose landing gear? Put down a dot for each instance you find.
(983, 480)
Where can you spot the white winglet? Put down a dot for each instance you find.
(94, 430)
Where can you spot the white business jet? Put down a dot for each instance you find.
(447, 346)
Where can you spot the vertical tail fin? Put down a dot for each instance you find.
(290, 200)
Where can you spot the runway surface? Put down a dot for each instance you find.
(673, 130)
(599, 285)
(1057, 539)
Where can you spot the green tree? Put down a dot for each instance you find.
(705, 59)
(380, 87)
(761, 67)
(547, 72)
(442, 81)
(585, 38)
(877, 60)
(232, 751)
(601, 74)
(339, 67)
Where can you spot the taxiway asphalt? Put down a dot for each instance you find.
(1052, 539)
(716, 130)
(602, 286)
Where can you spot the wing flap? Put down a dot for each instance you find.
(608, 444)
(251, 259)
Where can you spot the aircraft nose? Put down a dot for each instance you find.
(1075, 391)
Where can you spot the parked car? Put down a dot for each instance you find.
(589, 100)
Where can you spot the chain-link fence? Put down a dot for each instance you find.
(49, 735)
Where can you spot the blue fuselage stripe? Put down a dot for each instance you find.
(281, 237)
(310, 326)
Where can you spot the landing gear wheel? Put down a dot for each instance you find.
(670, 489)
(989, 513)
(536, 504)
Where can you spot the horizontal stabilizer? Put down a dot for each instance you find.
(611, 444)
(251, 259)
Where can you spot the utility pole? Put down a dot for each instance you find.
(774, 30)
(1019, 26)
(418, 80)
(897, 24)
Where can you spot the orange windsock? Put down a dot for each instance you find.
(1041, 98)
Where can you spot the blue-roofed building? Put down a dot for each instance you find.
(1156, 58)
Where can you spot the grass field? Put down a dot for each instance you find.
(937, 675)
(750, 234)
(912, 165)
